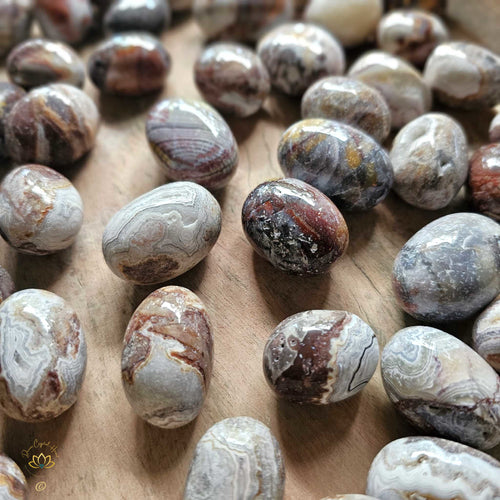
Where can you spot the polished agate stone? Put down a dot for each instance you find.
(494, 130)
(9, 95)
(7, 285)
(450, 269)
(15, 23)
(486, 335)
(13, 485)
(137, 15)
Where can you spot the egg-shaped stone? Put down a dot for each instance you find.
(13, 485)
(433, 468)
(494, 130)
(167, 357)
(464, 75)
(351, 102)
(341, 161)
(430, 161)
(192, 142)
(450, 269)
(232, 78)
(320, 357)
(40, 62)
(402, 86)
(16, 17)
(236, 458)
(137, 15)
(294, 226)
(54, 125)
(43, 355)
(298, 54)
(7, 285)
(162, 234)
(486, 334)
(9, 95)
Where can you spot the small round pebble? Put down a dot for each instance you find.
(430, 161)
(494, 130)
(40, 62)
(296, 55)
(484, 180)
(402, 86)
(294, 226)
(348, 101)
(41, 212)
(129, 64)
(486, 334)
(9, 95)
(7, 286)
(16, 17)
(13, 485)
(320, 357)
(43, 355)
(232, 78)
(138, 15)
(341, 161)
(192, 142)
(53, 125)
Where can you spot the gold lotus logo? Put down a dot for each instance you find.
(39, 456)
(41, 462)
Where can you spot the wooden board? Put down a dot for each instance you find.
(103, 450)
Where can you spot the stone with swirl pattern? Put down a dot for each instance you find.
(15, 26)
(9, 95)
(139, 15)
(13, 485)
(486, 334)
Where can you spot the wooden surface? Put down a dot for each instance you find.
(103, 450)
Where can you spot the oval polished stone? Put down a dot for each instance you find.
(430, 161)
(450, 269)
(7, 285)
(294, 226)
(296, 55)
(43, 355)
(40, 62)
(442, 386)
(13, 485)
(192, 142)
(138, 15)
(236, 458)
(342, 162)
(16, 17)
(129, 64)
(53, 125)
(232, 78)
(402, 86)
(162, 234)
(433, 468)
(167, 357)
(486, 334)
(320, 357)
(9, 95)
(351, 102)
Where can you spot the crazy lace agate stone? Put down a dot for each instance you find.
(232, 78)
(40, 62)
(494, 131)
(351, 102)
(402, 86)
(9, 95)
(341, 161)
(320, 357)
(433, 468)
(442, 386)
(13, 485)
(236, 458)
(450, 269)
(138, 15)
(296, 55)
(162, 234)
(464, 75)
(192, 142)
(294, 226)
(7, 285)
(486, 335)
(129, 64)
(167, 357)
(16, 17)
(43, 355)
(430, 161)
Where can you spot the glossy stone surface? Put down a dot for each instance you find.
(7, 286)
(294, 226)
(162, 234)
(430, 161)
(240, 20)
(450, 269)
(9, 95)
(351, 102)
(129, 64)
(484, 180)
(41, 212)
(192, 142)
(13, 485)
(43, 355)
(167, 357)
(352, 22)
(53, 125)
(442, 386)
(138, 15)
(296, 55)
(402, 86)
(486, 334)
(464, 75)
(40, 62)
(411, 34)
(320, 357)
(15, 23)
(232, 78)
(494, 131)
(344, 163)
(236, 458)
